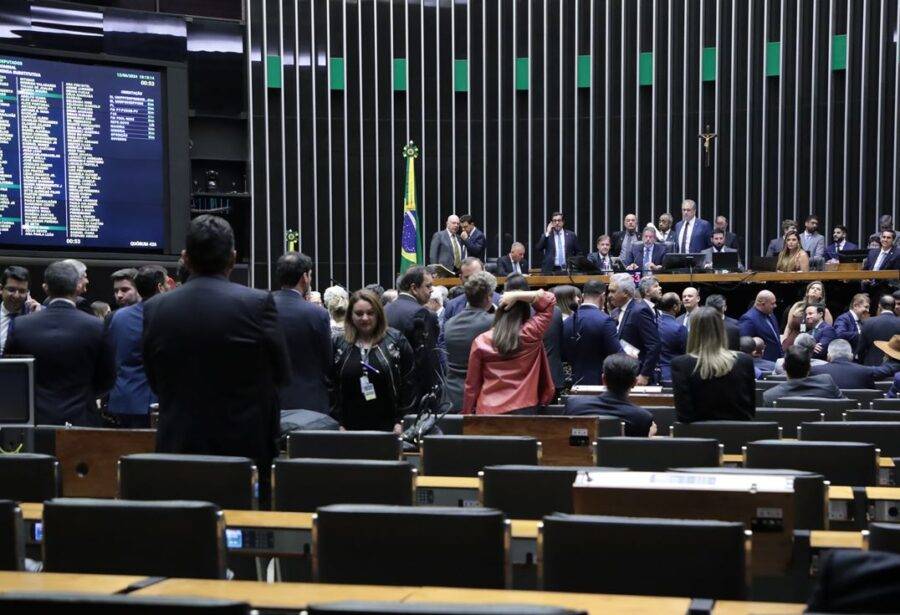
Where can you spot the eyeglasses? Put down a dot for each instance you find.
(16, 290)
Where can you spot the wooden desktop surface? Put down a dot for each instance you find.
(883, 493)
(64, 582)
(738, 458)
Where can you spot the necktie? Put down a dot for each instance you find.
(456, 251)
(880, 261)
(774, 330)
(685, 239)
(647, 259)
(516, 268)
(560, 250)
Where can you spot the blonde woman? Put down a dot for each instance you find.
(336, 300)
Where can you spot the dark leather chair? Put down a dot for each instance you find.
(810, 491)
(842, 463)
(884, 537)
(884, 385)
(658, 454)
(31, 603)
(863, 396)
(344, 445)
(12, 536)
(664, 417)
(227, 482)
(433, 608)
(885, 435)
(406, 545)
(732, 434)
(789, 418)
(468, 455)
(872, 415)
(833, 408)
(633, 555)
(853, 581)
(306, 484)
(29, 477)
(165, 539)
(449, 424)
(886, 403)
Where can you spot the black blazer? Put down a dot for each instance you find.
(729, 398)
(420, 327)
(74, 363)
(877, 328)
(505, 266)
(215, 356)
(307, 331)
(847, 375)
(733, 333)
(553, 339)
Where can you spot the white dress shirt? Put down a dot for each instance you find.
(685, 236)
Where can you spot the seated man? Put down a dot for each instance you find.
(806, 342)
(718, 245)
(648, 255)
(849, 375)
(777, 244)
(886, 256)
(759, 349)
(799, 382)
(839, 244)
(514, 262)
(603, 259)
(619, 375)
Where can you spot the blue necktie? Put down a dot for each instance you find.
(560, 250)
(647, 259)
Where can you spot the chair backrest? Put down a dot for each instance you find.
(658, 454)
(872, 415)
(227, 482)
(886, 403)
(884, 537)
(29, 477)
(885, 435)
(306, 484)
(407, 545)
(833, 408)
(355, 607)
(634, 555)
(28, 603)
(12, 536)
(789, 418)
(863, 396)
(449, 424)
(344, 445)
(664, 417)
(842, 463)
(166, 539)
(810, 493)
(884, 385)
(732, 434)
(468, 455)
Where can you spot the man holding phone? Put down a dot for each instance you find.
(557, 244)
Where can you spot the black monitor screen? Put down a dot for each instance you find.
(82, 161)
(15, 401)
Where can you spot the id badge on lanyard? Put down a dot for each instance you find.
(365, 386)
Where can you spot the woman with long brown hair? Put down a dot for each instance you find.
(792, 256)
(794, 317)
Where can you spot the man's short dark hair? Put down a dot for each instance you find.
(557, 213)
(842, 227)
(516, 281)
(593, 288)
(820, 307)
(891, 231)
(668, 302)
(886, 302)
(620, 372)
(718, 231)
(455, 292)
(61, 279)
(812, 217)
(717, 302)
(466, 218)
(290, 268)
(414, 276)
(148, 279)
(209, 244)
(16, 273)
(796, 362)
(128, 273)
(748, 344)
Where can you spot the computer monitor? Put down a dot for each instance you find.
(727, 261)
(582, 264)
(683, 261)
(17, 384)
(853, 256)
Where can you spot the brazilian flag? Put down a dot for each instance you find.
(411, 252)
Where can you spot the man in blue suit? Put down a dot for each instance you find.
(839, 245)
(672, 336)
(692, 233)
(647, 256)
(130, 398)
(849, 375)
(589, 336)
(471, 237)
(759, 322)
(637, 327)
(848, 325)
(887, 257)
(557, 244)
(821, 331)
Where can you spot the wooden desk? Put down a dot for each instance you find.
(822, 539)
(447, 491)
(734, 607)
(64, 582)
(565, 440)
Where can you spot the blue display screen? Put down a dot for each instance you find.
(234, 539)
(82, 159)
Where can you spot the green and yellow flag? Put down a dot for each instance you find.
(411, 252)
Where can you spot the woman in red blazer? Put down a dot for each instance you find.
(508, 370)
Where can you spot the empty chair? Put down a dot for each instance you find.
(228, 482)
(833, 408)
(886, 403)
(434, 608)
(658, 454)
(165, 539)
(863, 396)
(28, 603)
(467, 455)
(872, 415)
(344, 445)
(789, 418)
(884, 537)
(306, 484)
(885, 435)
(29, 477)
(664, 417)
(842, 463)
(633, 555)
(449, 424)
(12, 536)
(732, 434)
(405, 545)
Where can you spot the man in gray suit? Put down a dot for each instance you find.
(446, 248)
(718, 245)
(799, 382)
(461, 330)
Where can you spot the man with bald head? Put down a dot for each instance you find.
(447, 248)
(759, 321)
(690, 299)
(691, 233)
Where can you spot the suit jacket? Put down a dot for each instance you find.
(73, 362)
(856, 582)
(547, 245)
(764, 366)
(474, 244)
(731, 397)
(831, 252)
(849, 375)
(614, 264)
(891, 262)
(553, 341)
(701, 231)
(617, 239)
(458, 304)
(824, 334)
(505, 265)
(638, 328)
(215, 355)
(420, 327)
(876, 328)
(637, 420)
(820, 385)
(673, 338)
(845, 328)
(775, 246)
(440, 250)
(131, 392)
(733, 333)
(814, 244)
(756, 324)
(307, 330)
(708, 252)
(636, 256)
(589, 336)
(459, 333)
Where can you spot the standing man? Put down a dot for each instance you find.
(557, 244)
(471, 237)
(692, 233)
(672, 336)
(589, 336)
(821, 331)
(848, 325)
(840, 243)
(811, 239)
(446, 248)
(731, 239)
(603, 259)
(646, 256)
(623, 240)
(16, 300)
(886, 257)
(307, 330)
(514, 262)
(877, 328)
(124, 291)
(690, 299)
(637, 328)
(732, 328)
(759, 322)
(718, 246)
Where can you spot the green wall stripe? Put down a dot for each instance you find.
(523, 68)
(400, 75)
(273, 71)
(773, 59)
(337, 73)
(584, 71)
(461, 75)
(839, 52)
(645, 68)
(709, 64)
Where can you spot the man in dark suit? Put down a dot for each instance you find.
(840, 244)
(718, 245)
(821, 331)
(461, 330)
(731, 239)
(469, 267)
(619, 375)
(777, 244)
(691, 233)
(215, 355)
(888, 257)
(623, 240)
(732, 327)
(799, 382)
(446, 247)
(877, 328)
(848, 325)
(73, 359)
(672, 336)
(759, 349)
(637, 327)
(748, 347)
(409, 315)
(646, 256)
(759, 322)
(472, 238)
(514, 262)
(603, 258)
(557, 244)
(307, 330)
(16, 301)
(849, 375)
(589, 336)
